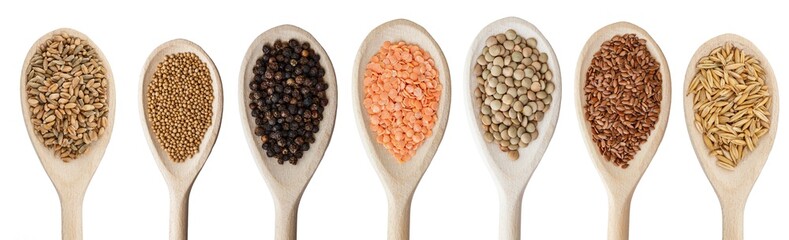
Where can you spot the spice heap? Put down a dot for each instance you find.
(514, 90)
(401, 94)
(623, 92)
(287, 98)
(67, 95)
(730, 103)
(180, 97)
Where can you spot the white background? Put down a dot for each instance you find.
(456, 199)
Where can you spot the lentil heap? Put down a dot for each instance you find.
(514, 90)
(180, 104)
(287, 99)
(623, 92)
(731, 103)
(401, 94)
(67, 95)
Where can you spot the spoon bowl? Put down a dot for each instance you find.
(512, 176)
(621, 183)
(287, 182)
(180, 176)
(71, 178)
(400, 179)
(732, 186)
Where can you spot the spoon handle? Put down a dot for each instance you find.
(285, 222)
(619, 217)
(400, 217)
(71, 215)
(733, 216)
(510, 215)
(179, 215)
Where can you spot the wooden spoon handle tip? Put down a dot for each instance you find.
(179, 216)
(71, 216)
(619, 219)
(733, 217)
(399, 218)
(510, 216)
(286, 220)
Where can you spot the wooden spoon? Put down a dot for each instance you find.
(180, 176)
(621, 183)
(286, 181)
(400, 179)
(732, 187)
(512, 176)
(71, 178)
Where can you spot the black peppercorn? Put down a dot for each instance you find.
(287, 98)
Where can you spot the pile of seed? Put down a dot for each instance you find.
(67, 95)
(514, 90)
(731, 103)
(287, 98)
(623, 92)
(180, 97)
(401, 94)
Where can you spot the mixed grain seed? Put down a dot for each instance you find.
(180, 100)
(514, 90)
(401, 95)
(67, 94)
(623, 92)
(731, 103)
(287, 99)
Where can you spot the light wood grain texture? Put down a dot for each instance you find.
(70, 179)
(180, 176)
(732, 187)
(400, 179)
(513, 176)
(621, 183)
(287, 182)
